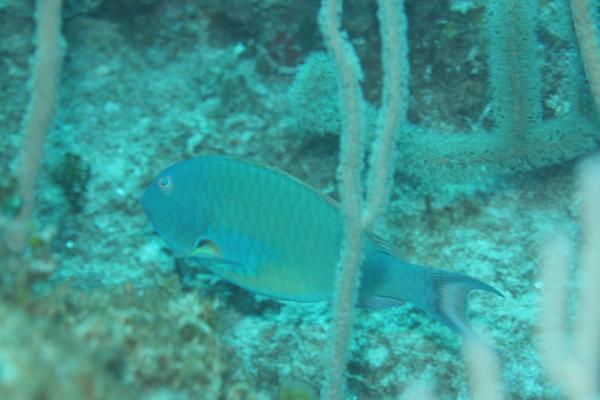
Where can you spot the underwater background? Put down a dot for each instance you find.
(499, 115)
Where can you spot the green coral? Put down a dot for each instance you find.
(72, 174)
(40, 361)
(314, 95)
(153, 339)
(296, 391)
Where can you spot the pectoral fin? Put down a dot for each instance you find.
(206, 248)
(208, 254)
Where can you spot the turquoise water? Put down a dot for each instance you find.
(96, 306)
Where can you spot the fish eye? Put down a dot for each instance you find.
(165, 184)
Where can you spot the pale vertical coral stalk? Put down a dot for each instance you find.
(38, 118)
(349, 171)
(586, 332)
(352, 107)
(394, 105)
(554, 262)
(573, 364)
(418, 390)
(587, 37)
(484, 374)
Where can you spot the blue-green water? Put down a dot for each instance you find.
(499, 114)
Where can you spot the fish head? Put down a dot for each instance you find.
(171, 202)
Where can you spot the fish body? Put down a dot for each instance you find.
(272, 234)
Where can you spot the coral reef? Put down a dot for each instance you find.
(98, 310)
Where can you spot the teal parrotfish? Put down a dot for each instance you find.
(272, 234)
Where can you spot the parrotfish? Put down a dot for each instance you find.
(272, 234)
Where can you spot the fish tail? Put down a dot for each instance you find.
(449, 298)
(388, 281)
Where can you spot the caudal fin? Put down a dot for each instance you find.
(450, 293)
(388, 281)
